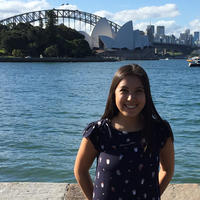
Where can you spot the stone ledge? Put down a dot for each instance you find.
(65, 191)
(173, 192)
(32, 191)
(182, 192)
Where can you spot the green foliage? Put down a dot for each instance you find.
(68, 33)
(51, 19)
(3, 28)
(2, 52)
(37, 41)
(174, 53)
(81, 49)
(51, 51)
(51, 28)
(22, 27)
(54, 40)
(17, 53)
(14, 40)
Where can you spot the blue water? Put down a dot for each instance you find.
(45, 106)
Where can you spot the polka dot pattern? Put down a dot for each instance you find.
(125, 171)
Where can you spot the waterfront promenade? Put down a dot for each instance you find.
(64, 191)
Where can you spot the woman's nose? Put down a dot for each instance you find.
(130, 97)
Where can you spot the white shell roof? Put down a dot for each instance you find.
(126, 37)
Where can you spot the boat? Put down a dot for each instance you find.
(194, 61)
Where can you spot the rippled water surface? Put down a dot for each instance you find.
(45, 106)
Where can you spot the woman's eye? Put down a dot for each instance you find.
(124, 90)
(139, 91)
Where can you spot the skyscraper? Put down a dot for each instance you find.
(150, 32)
(196, 36)
(160, 30)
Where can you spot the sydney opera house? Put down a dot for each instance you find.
(103, 36)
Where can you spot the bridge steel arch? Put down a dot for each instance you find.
(41, 15)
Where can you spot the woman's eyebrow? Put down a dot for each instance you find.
(139, 87)
(123, 86)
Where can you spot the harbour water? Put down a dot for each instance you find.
(44, 108)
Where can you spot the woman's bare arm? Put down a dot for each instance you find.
(85, 157)
(166, 165)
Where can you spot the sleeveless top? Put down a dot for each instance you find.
(126, 169)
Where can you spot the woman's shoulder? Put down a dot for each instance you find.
(98, 123)
(95, 126)
(94, 131)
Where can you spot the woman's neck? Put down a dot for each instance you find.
(127, 124)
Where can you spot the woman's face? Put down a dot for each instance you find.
(130, 97)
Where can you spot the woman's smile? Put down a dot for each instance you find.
(131, 107)
(130, 97)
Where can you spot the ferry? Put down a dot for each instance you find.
(194, 61)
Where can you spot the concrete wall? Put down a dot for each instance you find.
(64, 191)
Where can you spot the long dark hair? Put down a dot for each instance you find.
(149, 111)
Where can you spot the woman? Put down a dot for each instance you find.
(130, 142)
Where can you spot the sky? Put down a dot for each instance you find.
(175, 15)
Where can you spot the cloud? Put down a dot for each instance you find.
(195, 25)
(68, 7)
(15, 7)
(104, 13)
(141, 17)
(141, 26)
(151, 12)
(171, 28)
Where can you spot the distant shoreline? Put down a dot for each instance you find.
(54, 59)
(86, 59)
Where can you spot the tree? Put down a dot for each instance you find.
(34, 40)
(64, 46)
(41, 23)
(51, 27)
(81, 49)
(3, 28)
(51, 19)
(37, 41)
(68, 33)
(51, 51)
(17, 53)
(14, 40)
(22, 27)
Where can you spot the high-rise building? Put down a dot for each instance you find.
(160, 30)
(196, 36)
(187, 31)
(186, 37)
(150, 32)
(151, 29)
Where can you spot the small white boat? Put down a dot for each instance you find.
(194, 61)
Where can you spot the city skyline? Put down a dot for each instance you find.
(176, 16)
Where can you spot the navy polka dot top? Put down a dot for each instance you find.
(126, 169)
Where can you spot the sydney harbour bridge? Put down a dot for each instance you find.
(67, 17)
(80, 20)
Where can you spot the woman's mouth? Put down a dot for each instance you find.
(131, 107)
